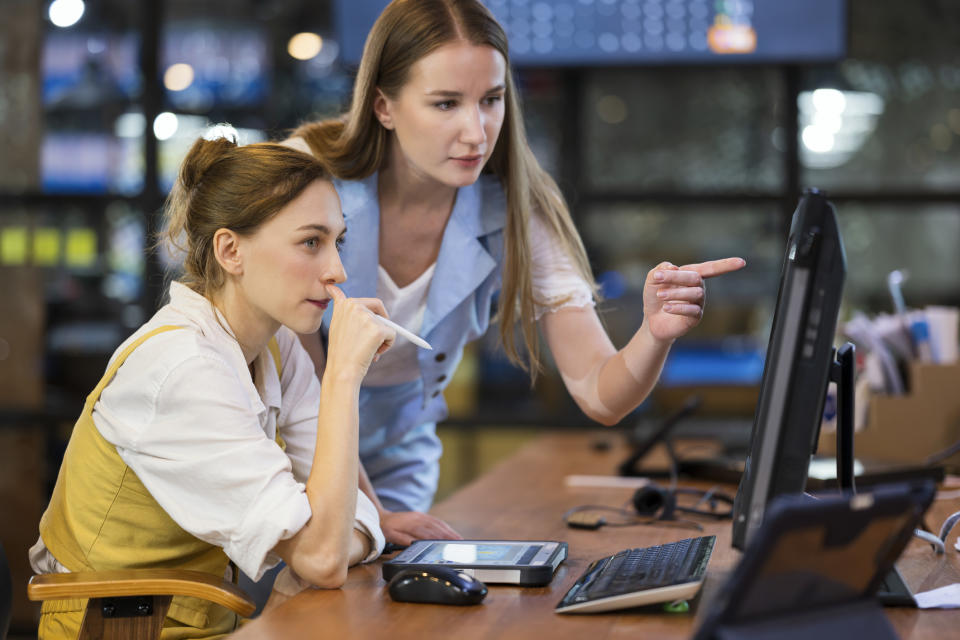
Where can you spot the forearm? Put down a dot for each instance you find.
(322, 550)
(618, 382)
(627, 378)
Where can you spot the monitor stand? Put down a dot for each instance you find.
(894, 591)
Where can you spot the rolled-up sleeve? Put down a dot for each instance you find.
(206, 460)
(368, 523)
(289, 583)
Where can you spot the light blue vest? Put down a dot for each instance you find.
(398, 443)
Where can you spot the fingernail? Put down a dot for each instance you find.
(668, 307)
(662, 294)
(658, 276)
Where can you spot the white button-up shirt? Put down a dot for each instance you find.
(199, 433)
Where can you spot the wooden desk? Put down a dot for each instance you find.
(524, 498)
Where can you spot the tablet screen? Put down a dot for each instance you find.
(486, 553)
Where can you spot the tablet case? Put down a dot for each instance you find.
(815, 565)
(523, 574)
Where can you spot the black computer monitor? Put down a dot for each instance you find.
(798, 363)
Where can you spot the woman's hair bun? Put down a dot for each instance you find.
(202, 155)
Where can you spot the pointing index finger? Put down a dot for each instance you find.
(716, 267)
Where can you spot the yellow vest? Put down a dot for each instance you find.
(101, 517)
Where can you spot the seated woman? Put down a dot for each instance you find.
(209, 440)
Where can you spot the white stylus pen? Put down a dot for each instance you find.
(412, 337)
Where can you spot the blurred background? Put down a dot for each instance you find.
(679, 130)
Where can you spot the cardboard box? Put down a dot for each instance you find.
(911, 427)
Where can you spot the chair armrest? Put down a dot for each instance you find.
(140, 582)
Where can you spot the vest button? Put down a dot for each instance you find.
(442, 378)
(435, 393)
(440, 357)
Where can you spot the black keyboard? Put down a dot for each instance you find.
(635, 577)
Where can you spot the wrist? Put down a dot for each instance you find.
(343, 376)
(651, 341)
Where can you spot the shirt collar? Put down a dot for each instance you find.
(479, 210)
(205, 317)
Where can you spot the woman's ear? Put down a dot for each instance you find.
(381, 109)
(226, 250)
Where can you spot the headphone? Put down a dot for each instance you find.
(653, 500)
(653, 505)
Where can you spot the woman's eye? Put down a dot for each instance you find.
(490, 100)
(339, 244)
(446, 105)
(311, 243)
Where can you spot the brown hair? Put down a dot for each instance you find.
(355, 145)
(224, 185)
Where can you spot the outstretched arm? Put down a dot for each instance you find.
(608, 383)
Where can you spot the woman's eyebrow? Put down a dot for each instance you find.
(316, 227)
(457, 94)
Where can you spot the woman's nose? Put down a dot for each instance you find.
(334, 272)
(473, 132)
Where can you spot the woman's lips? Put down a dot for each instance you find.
(468, 161)
(320, 303)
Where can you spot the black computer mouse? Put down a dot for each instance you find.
(437, 585)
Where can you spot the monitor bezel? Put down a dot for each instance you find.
(798, 361)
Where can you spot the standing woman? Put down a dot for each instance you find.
(210, 439)
(448, 207)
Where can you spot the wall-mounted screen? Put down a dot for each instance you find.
(548, 33)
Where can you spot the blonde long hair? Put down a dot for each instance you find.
(355, 145)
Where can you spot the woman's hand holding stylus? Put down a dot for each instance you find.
(356, 339)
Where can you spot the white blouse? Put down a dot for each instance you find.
(556, 285)
(556, 282)
(406, 306)
(199, 433)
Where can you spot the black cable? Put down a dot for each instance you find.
(630, 519)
